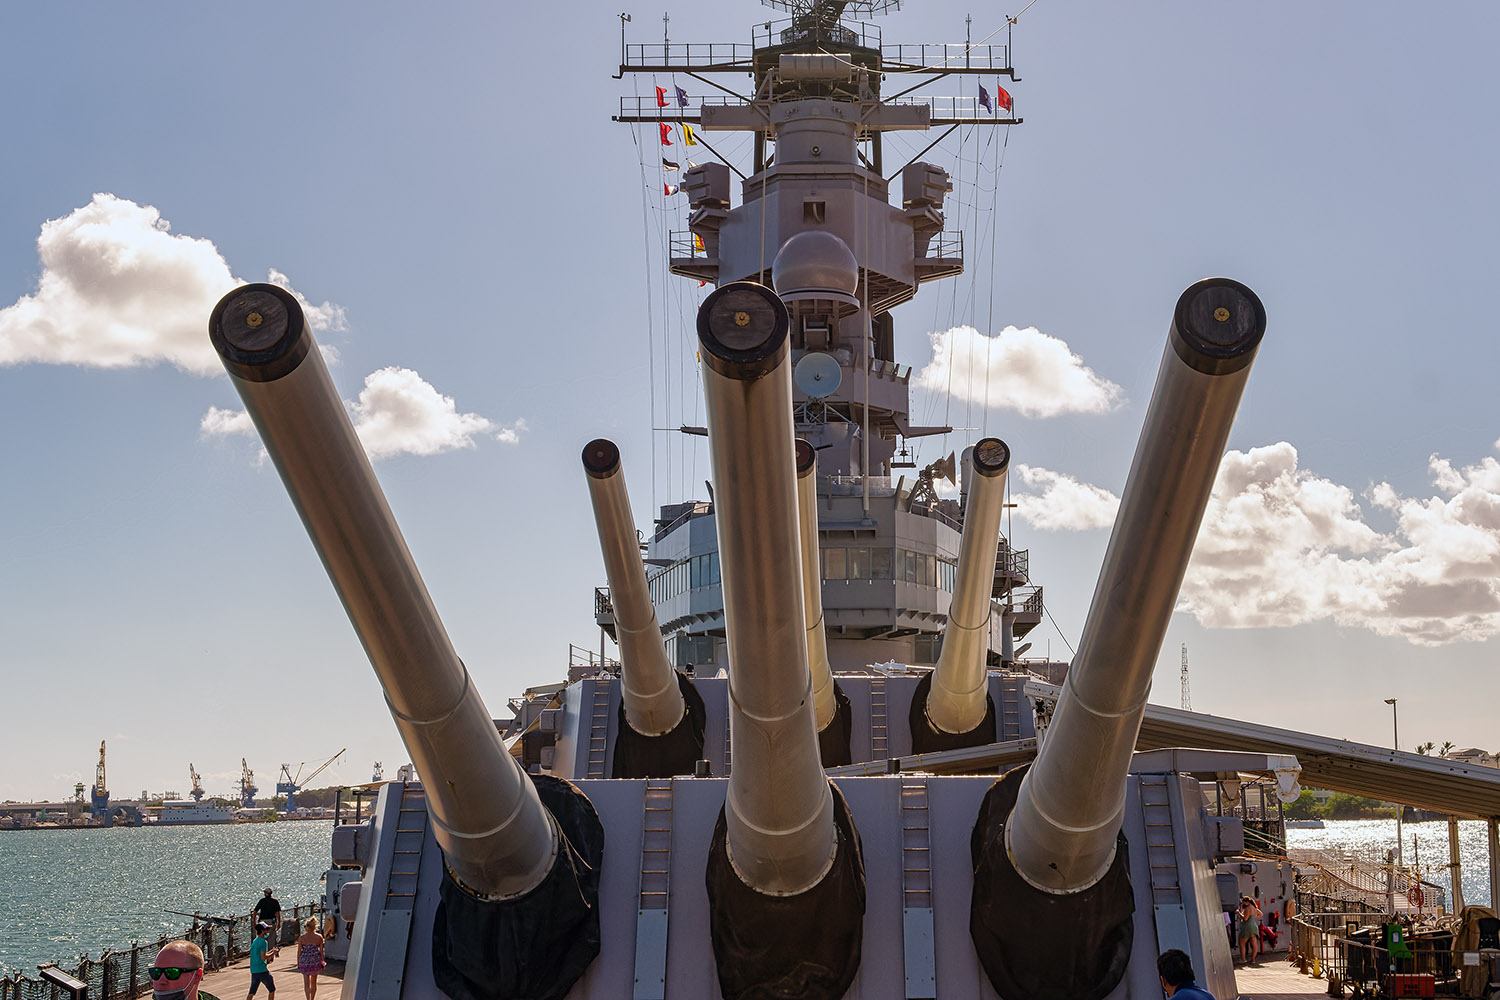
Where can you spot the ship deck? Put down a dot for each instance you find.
(1275, 979)
(233, 981)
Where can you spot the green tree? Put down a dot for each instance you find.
(1306, 806)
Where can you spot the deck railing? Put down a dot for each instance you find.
(121, 975)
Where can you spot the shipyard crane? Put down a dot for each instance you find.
(247, 785)
(197, 792)
(100, 799)
(289, 785)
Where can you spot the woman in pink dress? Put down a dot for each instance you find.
(310, 957)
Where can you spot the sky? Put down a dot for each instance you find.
(480, 252)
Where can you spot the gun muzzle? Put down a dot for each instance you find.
(1062, 833)
(653, 702)
(779, 808)
(498, 838)
(957, 701)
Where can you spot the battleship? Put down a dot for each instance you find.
(748, 803)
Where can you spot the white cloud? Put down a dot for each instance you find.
(1064, 503)
(1281, 546)
(119, 290)
(224, 423)
(511, 433)
(399, 413)
(1022, 370)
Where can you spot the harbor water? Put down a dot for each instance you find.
(1425, 848)
(64, 893)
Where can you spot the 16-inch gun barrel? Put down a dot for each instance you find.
(648, 684)
(1062, 834)
(824, 705)
(779, 808)
(498, 839)
(957, 701)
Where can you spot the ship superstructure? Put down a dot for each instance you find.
(819, 95)
(666, 827)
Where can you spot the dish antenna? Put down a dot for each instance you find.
(818, 375)
(945, 468)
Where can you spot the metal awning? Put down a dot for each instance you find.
(1410, 779)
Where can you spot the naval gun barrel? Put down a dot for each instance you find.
(1061, 836)
(648, 684)
(779, 807)
(498, 839)
(824, 705)
(958, 699)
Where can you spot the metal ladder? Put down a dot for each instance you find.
(599, 730)
(916, 891)
(1010, 712)
(879, 741)
(1161, 853)
(400, 892)
(727, 727)
(655, 892)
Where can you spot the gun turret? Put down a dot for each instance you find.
(958, 711)
(660, 709)
(499, 842)
(785, 845)
(1055, 861)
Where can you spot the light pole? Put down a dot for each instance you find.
(1396, 744)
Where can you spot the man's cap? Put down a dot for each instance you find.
(268, 892)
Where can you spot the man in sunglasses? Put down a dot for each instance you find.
(177, 973)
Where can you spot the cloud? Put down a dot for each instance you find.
(511, 433)
(224, 423)
(397, 413)
(1064, 503)
(1022, 370)
(119, 290)
(1281, 546)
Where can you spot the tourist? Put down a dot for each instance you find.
(310, 957)
(267, 910)
(1176, 972)
(261, 953)
(1249, 930)
(177, 973)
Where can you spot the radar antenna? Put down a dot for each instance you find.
(829, 11)
(1187, 697)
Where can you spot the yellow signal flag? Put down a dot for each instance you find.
(698, 243)
(688, 139)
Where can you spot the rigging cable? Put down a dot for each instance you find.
(650, 308)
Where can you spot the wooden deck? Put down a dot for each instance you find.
(233, 981)
(1275, 979)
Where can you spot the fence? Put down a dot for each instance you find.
(121, 975)
(1341, 939)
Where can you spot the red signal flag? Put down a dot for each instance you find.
(661, 97)
(666, 134)
(1002, 97)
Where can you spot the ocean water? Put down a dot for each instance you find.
(1425, 846)
(64, 893)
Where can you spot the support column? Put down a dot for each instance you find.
(1455, 869)
(1492, 825)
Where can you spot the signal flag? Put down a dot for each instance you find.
(661, 97)
(666, 134)
(1002, 97)
(687, 135)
